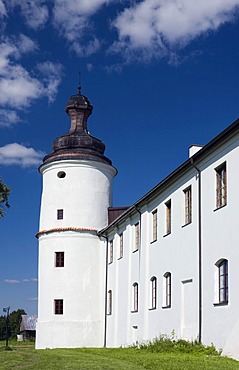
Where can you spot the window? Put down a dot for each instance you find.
(167, 290)
(60, 214)
(155, 224)
(153, 297)
(135, 297)
(188, 205)
(59, 259)
(110, 302)
(111, 252)
(121, 251)
(137, 236)
(221, 186)
(58, 306)
(61, 174)
(168, 217)
(223, 281)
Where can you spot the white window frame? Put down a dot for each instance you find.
(154, 225)
(221, 286)
(221, 185)
(153, 293)
(136, 236)
(111, 252)
(187, 205)
(135, 297)
(109, 306)
(167, 290)
(168, 210)
(121, 245)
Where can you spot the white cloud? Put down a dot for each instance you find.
(11, 281)
(72, 19)
(35, 13)
(157, 27)
(8, 118)
(51, 78)
(2, 9)
(16, 154)
(29, 280)
(15, 281)
(89, 67)
(25, 44)
(90, 48)
(18, 87)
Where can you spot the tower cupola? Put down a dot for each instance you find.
(78, 143)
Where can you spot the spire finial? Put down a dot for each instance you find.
(79, 84)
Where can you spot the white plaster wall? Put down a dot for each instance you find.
(220, 240)
(79, 283)
(176, 253)
(85, 194)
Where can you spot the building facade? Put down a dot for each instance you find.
(167, 264)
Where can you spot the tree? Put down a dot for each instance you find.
(14, 324)
(4, 193)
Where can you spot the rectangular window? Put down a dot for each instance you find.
(155, 225)
(59, 259)
(110, 302)
(60, 214)
(135, 297)
(58, 306)
(221, 186)
(111, 252)
(137, 236)
(121, 246)
(168, 216)
(188, 205)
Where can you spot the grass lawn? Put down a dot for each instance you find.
(24, 356)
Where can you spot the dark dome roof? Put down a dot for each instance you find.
(78, 101)
(78, 143)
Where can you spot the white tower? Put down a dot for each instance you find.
(77, 191)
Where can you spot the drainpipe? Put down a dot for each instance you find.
(106, 286)
(199, 251)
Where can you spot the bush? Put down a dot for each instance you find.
(167, 344)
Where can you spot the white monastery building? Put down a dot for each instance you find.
(168, 263)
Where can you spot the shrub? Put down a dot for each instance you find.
(167, 344)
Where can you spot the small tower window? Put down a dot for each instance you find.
(61, 174)
(60, 214)
(58, 306)
(59, 259)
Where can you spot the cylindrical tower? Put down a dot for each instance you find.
(77, 191)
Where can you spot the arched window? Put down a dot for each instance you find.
(153, 293)
(221, 283)
(135, 297)
(167, 289)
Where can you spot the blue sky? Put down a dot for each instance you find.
(161, 75)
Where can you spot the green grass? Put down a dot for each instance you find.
(23, 356)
